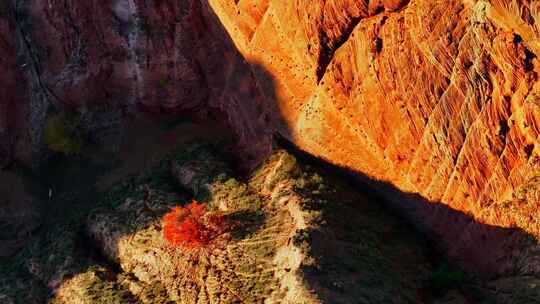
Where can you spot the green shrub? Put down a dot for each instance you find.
(60, 134)
(164, 83)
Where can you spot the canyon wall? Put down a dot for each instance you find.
(436, 100)
(13, 89)
(126, 56)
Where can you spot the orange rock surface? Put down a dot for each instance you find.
(436, 103)
(437, 98)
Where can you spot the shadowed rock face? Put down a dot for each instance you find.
(162, 57)
(13, 90)
(438, 98)
(114, 52)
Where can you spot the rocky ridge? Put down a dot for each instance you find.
(291, 244)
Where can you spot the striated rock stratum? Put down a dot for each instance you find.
(435, 103)
(436, 98)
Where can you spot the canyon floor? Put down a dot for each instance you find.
(92, 232)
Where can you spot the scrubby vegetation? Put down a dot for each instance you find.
(277, 235)
(61, 133)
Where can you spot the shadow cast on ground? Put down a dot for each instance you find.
(247, 97)
(486, 250)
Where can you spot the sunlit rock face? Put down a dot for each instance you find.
(437, 98)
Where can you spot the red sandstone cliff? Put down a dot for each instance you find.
(164, 57)
(436, 98)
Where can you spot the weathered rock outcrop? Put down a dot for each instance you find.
(163, 57)
(436, 98)
(435, 102)
(290, 247)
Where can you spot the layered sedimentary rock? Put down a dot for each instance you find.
(436, 98)
(435, 102)
(112, 52)
(162, 57)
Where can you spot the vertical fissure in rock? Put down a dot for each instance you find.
(327, 53)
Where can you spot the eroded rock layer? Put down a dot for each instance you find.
(162, 57)
(436, 98)
(434, 102)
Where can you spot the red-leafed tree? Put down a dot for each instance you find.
(192, 226)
